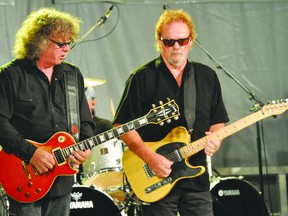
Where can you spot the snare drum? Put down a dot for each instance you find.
(86, 201)
(236, 196)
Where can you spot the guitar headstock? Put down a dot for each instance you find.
(163, 112)
(275, 107)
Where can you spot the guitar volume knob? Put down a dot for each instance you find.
(38, 190)
(19, 189)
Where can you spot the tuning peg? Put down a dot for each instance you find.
(161, 123)
(153, 105)
(176, 118)
(161, 102)
(168, 120)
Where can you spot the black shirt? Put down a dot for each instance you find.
(152, 83)
(32, 108)
(102, 125)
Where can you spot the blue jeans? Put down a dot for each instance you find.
(48, 206)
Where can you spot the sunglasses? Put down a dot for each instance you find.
(171, 42)
(61, 44)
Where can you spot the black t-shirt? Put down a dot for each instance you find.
(152, 83)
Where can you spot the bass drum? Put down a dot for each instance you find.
(87, 201)
(234, 196)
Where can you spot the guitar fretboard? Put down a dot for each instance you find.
(198, 145)
(91, 142)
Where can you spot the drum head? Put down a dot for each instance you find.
(86, 201)
(237, 197)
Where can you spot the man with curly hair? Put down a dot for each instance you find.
(33, 105)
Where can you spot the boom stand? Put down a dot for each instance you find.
(257, 105)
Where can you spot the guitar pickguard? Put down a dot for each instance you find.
(180, 168)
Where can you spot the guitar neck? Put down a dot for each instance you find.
(198, 145)
(91, 142)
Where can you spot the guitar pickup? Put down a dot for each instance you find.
(149, 172)
(60, 159)
(158, 185)
(26, 171)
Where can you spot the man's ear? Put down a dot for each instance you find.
(93, 103)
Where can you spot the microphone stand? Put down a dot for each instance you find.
(98, 23)
(256, 107)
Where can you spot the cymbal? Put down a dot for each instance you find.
(90, 82)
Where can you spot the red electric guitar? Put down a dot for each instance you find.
(23, 183)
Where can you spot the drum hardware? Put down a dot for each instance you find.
(4, 205)
(132, 204)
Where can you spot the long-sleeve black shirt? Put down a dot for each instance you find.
(33, 108)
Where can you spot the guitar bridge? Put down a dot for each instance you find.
(158, 185)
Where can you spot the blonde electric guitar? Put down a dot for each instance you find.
(22, 182)
(176, 147)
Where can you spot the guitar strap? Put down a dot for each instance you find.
(189, 95)
(72, 103)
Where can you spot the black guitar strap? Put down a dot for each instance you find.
(189, 95)
(72, 103)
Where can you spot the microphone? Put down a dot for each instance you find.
(99, 23)
(103, 19)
